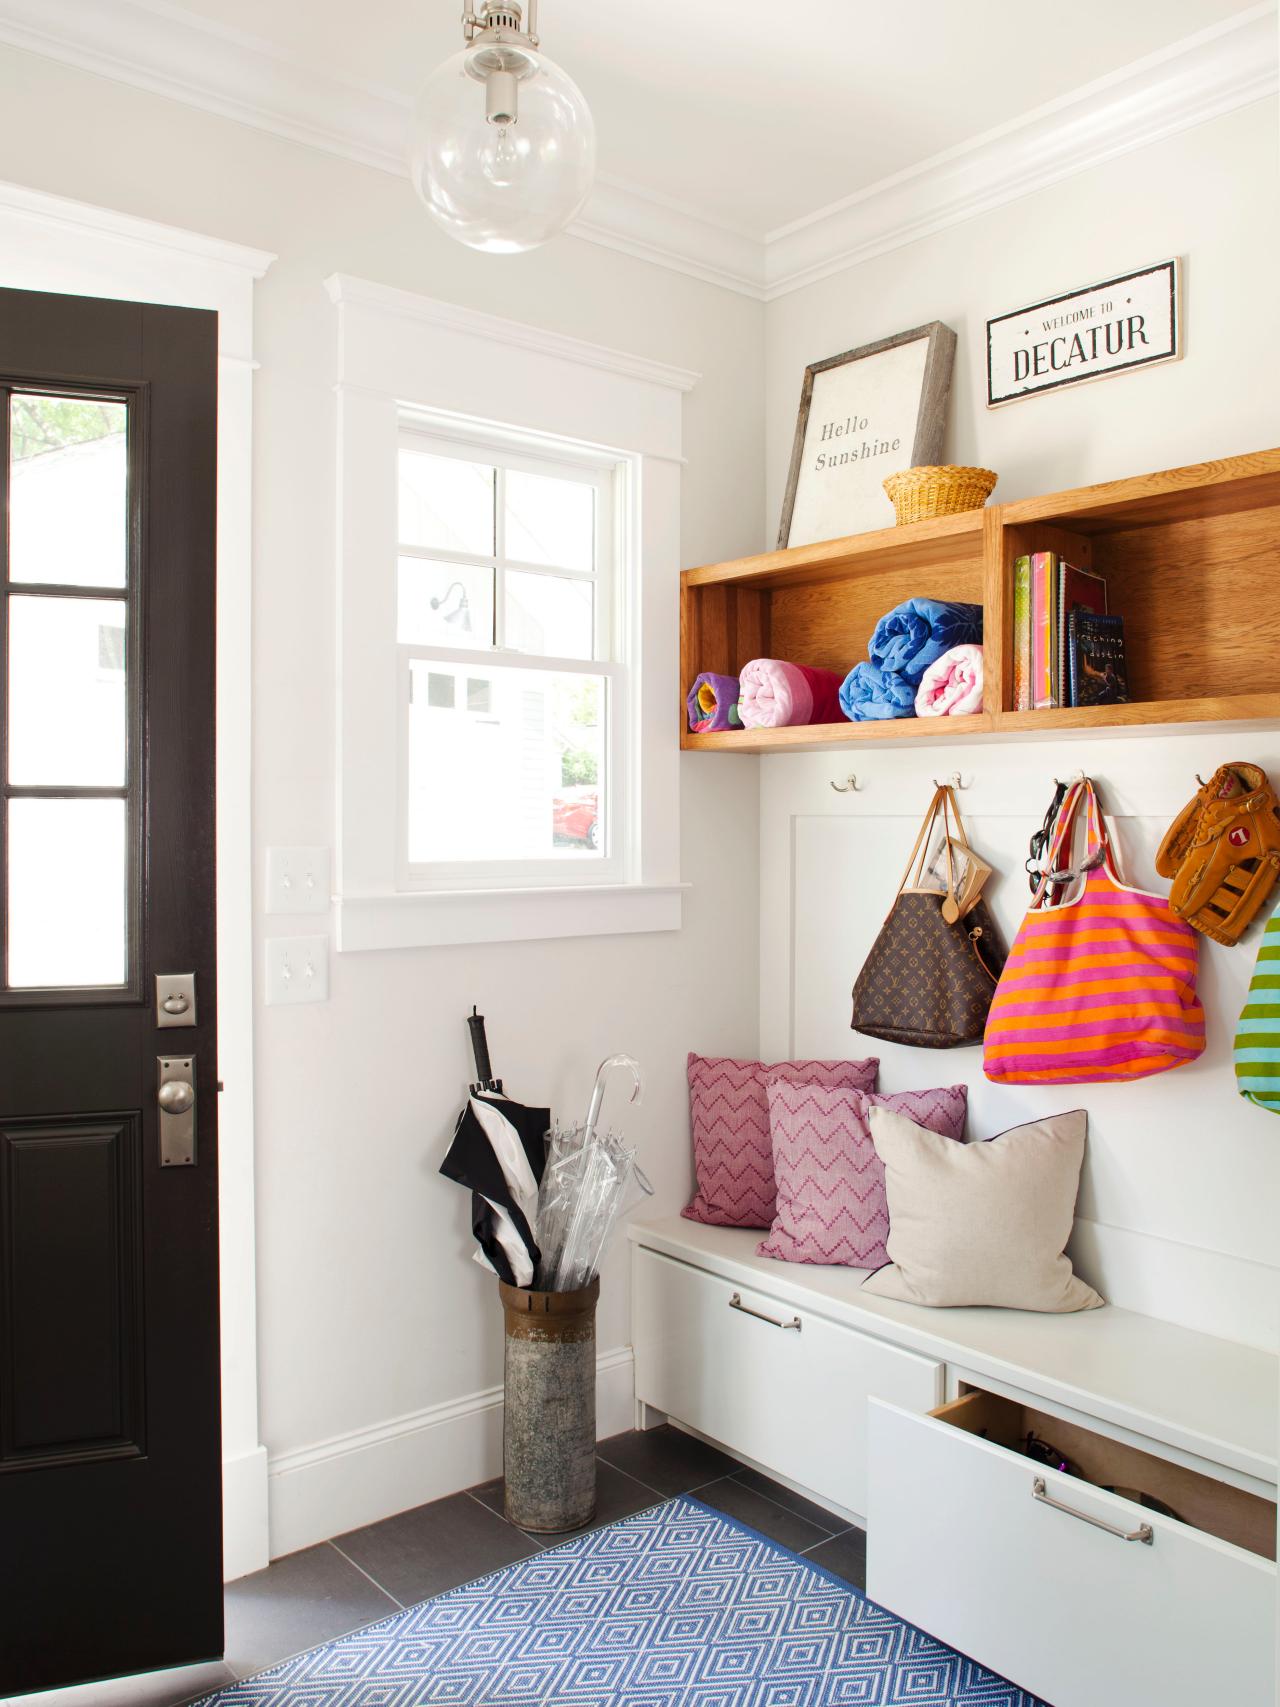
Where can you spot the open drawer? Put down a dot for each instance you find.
(1085, 1597)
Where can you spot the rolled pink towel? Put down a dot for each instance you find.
(952, 685)
(776, 694)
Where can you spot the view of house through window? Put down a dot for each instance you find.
(503, 611)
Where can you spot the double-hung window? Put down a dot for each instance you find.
(510, 630)
(508, 715)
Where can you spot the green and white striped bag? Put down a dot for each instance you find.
(1258, 1035)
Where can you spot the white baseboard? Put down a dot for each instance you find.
(244, 1514)
(1210, 1291)
(362, 1477)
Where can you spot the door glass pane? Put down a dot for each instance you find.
(550, 521)
(550, 614)
(446, 504)
(68, 494)
(512, 769)
(67, 691)
(444, 604)
(67, 876)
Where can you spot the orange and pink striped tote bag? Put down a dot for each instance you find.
(1098, 987)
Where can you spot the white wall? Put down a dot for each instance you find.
(1208, 194)
(1182, 1185)
(379, 1342)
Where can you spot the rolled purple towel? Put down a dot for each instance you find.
(713, 703)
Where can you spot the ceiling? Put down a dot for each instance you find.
(738, 110)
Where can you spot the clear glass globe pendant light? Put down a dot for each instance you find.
(503, 147)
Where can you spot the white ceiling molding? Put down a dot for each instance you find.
(619, 216)
(172, 53)
(1196, 79)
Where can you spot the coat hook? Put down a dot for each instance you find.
(849, 786)
(952, 781)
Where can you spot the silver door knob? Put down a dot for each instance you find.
(176, 1096)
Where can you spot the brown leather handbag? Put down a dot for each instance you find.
(933, 969)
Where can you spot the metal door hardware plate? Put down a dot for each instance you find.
(176, 1100)
(175, 998)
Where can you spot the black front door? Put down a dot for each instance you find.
(110, 1486)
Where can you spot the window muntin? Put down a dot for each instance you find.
(512, 774)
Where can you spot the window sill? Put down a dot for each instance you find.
(446, 917)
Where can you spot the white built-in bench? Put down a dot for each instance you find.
(906, 1419)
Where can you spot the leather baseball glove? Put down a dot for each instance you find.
(1222, 852)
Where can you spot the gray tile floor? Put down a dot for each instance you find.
(323, 1592)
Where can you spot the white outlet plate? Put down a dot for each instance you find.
(298, 880)
(297, 969)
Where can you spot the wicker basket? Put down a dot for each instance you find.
(920, 493)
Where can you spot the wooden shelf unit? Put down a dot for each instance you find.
(1192, 561)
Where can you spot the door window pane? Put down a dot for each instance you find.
(67, 883)
(68, 491)
(444, 604)
(550, 614)
(550, 521)
(519, 777)
(67, 691)
(446, 504)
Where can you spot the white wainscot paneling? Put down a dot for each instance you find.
(1177, 1199)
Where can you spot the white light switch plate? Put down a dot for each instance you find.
(297, 969)
(298, 880)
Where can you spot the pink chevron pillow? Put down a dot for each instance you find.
(732, 1149)
(830, 1181)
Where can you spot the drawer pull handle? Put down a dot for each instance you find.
(735, 1303)
(1143, 1532)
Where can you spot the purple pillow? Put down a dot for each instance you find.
(831, 1204)
(732, 1149)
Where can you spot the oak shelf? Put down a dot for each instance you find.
(1192, 560)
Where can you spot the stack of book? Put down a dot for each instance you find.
(1067, 649)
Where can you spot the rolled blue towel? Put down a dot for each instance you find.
(918, 631)
(869, 692)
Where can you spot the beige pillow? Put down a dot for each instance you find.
(981, 1223)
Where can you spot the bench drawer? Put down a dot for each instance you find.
(729, 1361)
(968, 1538)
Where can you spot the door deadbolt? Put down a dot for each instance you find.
(175, 998)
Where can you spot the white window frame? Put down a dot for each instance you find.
(425, 430)
(476, 379)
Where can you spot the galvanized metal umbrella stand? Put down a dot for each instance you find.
(549, 1426)
(543, 1221)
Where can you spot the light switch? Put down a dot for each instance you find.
(298, 880)
(297, 969)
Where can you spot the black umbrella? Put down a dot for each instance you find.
(499, 1152)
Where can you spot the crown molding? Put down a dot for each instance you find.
(408, 305)
(158, 46)
(1198, 78)
(651, 228)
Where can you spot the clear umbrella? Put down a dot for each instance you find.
(584, 1187)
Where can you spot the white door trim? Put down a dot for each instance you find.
(53, 244)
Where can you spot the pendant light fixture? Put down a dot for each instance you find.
(503, 146)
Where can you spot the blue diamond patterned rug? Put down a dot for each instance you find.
(680, 1606)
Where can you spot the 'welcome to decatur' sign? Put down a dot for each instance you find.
(1126, 322)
